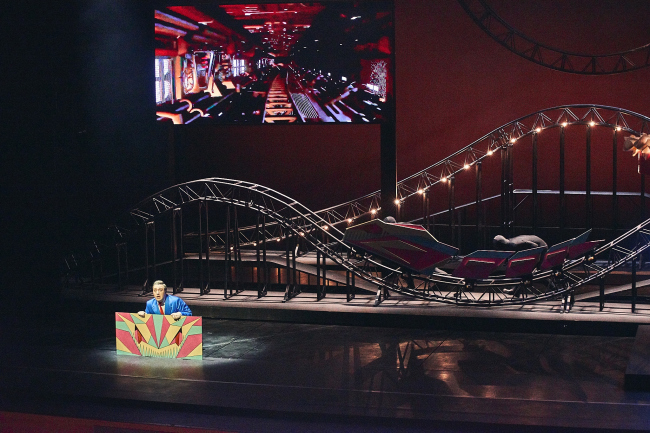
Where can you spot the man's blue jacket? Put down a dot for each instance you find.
(173, 304)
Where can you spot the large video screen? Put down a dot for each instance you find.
(269, 63)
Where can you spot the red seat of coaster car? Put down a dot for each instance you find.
(480, 264)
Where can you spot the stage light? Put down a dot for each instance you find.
(302, 233)
(618, 128)
(490, 152)
(372, 211)
(443, 180)
(325, 228)
(397, 202)
(420, 191)
(538, 130)
(466, 166)
(564, 124)
(512, 140)
(592, 123)
(349, 220)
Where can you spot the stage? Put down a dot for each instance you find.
(332, 365)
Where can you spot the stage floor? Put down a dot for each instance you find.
(263, 376)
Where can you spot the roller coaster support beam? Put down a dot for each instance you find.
(563, 214)
(226, 258)
(634, 291)
(589, 208)
(601, 297)
(379, 297)
(452, 208)
(534, 186)
(150, 226)
(614, 182)
(260, 243)
(292, 288)
(504, 182)
(287, 269)
(510, 205)
(294, 255)
(267, 271)
(319, 289)
(480, 238)
(324, 268)
(205, 289)
(382, 294)
(237, 253)
(324, 287)
(177, 249)
(200, 248)
(350, 286)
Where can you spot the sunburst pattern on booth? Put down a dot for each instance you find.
(159, 336)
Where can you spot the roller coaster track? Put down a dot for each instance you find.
(487, 146)
(318, 231)
(292, 218)
(296, 220)
(577, 63)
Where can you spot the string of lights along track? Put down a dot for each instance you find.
(555, 58)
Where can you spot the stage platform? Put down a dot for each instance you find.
(332, 365)
(269, 376)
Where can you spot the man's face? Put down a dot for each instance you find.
(159, 293)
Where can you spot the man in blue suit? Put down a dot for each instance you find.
(162, 303)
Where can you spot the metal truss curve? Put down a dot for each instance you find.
(561, 116)
(300, 221)
(460, 161)
(288, 214)
(322, 230)
(576, 63)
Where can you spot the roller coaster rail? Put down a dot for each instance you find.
(460, 162)
(577, 63)
(300, 223)
(287, 213)
(290, 220)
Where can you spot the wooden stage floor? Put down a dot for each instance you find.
(330, 365)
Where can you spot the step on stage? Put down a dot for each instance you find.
(332, 365)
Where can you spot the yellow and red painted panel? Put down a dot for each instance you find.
(159, 336)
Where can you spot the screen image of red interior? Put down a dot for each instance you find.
(266, 63)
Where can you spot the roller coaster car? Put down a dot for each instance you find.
(555, 255)
(524, 262)
(408, 245)
(570, 249)
(581, 246)
(480, 264)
